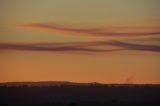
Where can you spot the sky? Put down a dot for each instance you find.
(107, 41)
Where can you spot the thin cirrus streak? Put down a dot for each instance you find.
(80, 47)
(153, 39)
(109, 31)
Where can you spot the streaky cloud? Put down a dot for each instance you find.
(52, 47)
(152, 39)
(107, 31)
(141, 47)
(91, 47)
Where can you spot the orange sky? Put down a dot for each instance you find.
(105, 41)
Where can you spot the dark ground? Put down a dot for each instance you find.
(74, 95)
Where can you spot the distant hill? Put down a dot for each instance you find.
(48, 83)
(67, 83)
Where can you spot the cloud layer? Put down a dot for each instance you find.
(108, 31)
(95, 46)
(92, 47)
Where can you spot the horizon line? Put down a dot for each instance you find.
(75, 82)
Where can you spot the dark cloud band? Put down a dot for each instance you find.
(80, 47)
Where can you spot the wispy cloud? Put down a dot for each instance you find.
(152, 39)
(106, 31)
(95, 46)
(92, 47)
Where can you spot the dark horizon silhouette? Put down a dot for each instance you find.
(57, 83)
(78, 94)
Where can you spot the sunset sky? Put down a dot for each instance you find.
(107, 41)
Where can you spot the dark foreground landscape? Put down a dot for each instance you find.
(78, 94)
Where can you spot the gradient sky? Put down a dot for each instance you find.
(109, 41)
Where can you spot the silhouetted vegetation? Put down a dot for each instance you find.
(80, 95)
(2, 105)
(72, 104)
